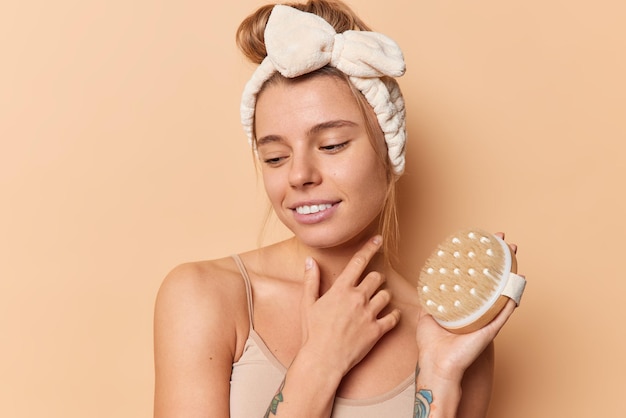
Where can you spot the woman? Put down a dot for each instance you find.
(320, 324)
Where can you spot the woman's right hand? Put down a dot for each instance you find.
(341, 327)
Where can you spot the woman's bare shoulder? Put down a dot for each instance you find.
(200, 329)
(203, 278)
(203, 293)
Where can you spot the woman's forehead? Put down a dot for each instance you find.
(320, 87)
(312, 101)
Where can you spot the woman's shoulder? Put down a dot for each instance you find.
(199, 273)
(204, 294)
(200, 328)
(207, 279)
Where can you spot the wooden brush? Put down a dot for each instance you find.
(467, 280)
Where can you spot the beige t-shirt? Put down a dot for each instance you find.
(255, 378)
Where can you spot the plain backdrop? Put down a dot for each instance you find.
(121, 156)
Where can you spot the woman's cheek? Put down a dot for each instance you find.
(273, 189)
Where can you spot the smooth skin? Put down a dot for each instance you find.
(325, 302)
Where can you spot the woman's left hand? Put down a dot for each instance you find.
(449, 354)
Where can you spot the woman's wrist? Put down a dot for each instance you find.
(437, 394)
(317, 366)
(446, 367)
(308, 389)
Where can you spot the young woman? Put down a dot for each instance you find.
(319, 325)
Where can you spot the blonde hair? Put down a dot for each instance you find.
(250, 40)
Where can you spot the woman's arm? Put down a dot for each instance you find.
(455, 372)
(307, 391)
(477, 385)
(194, 345)
(454, 377)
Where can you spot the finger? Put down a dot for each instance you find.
(379, 301)
(311, 285)
(513, 247)
(389, 321)
(371, 283)
(498, 322)
(360, 260)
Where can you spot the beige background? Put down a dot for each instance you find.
(121, 156)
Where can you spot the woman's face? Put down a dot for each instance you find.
(324, 178)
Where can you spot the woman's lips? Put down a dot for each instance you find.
(307, 209)
(314, 213)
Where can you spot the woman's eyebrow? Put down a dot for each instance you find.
(331, 124)
(268, 139)
(315, 129)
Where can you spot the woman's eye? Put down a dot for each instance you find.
(273, 160)
(334, 147)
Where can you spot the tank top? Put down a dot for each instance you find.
(256, 376)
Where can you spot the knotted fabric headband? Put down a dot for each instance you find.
(298, 43)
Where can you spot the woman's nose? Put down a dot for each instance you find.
(303, 171)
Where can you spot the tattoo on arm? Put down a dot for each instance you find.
(278, 398)
(423, 399)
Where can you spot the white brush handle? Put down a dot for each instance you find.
(514, 287)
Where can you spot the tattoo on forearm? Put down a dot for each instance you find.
(278, 398)
(423, 399)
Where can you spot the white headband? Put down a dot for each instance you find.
(298, 43)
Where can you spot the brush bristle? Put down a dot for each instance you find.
(461, 275)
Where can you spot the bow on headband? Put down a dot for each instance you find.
(298, 43)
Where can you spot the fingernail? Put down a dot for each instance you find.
(377, 239)
(308, 263)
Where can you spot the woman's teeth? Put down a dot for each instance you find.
(305, 210)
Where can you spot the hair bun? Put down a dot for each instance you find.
(250, 35)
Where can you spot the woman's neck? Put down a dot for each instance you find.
(333, 261)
